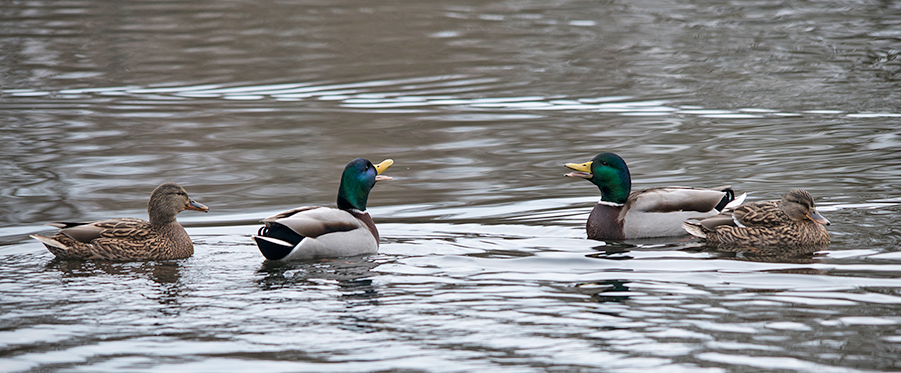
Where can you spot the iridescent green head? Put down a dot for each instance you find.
(357, 180)
(609, 172)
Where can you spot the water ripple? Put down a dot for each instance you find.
(429, 91)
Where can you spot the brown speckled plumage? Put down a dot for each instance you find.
(792, 221)
(125, 239)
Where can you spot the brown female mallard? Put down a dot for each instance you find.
(653, 212)
(791, 221)
(125, 239)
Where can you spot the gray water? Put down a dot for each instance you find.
(256, 107)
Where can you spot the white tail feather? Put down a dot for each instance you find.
(275, 241)
(694, 230)
(736, 202)
(49, 242)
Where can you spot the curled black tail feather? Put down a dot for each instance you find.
(729, 197)
(272, 250)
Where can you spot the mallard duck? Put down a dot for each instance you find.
(791, 221)
(126, 239)
(653, 212)
(323, 232)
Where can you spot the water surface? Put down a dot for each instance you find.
(484, 265)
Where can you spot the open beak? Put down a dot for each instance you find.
(815, 216)
(381, 167)
(194, 205)
(582, 170)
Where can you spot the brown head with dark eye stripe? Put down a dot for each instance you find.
(799, 206)
(167, 200)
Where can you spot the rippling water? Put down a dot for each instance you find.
(484, 266)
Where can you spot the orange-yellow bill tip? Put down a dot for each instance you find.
(194, 205)
(815, 216)
(381, 167)
(582, 170)
(583, 167)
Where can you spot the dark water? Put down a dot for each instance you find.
(256, 106)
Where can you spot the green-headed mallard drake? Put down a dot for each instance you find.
(323, 232)
(125, 239)
(653, 212)
(791, 221)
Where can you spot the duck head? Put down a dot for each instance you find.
(799, 206)
(609, 173)
(167, 200)
(357, 180)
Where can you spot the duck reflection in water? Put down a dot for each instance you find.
(352, 275)
(612, 251)
(798, 254)
(605, 290)
(619, 250)
(166, 274)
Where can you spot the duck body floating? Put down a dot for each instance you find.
(322, 232)
(653, 212)
(791, 221)
(128, 239)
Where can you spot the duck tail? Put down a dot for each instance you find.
(49, 242)
(694, 228)
(273, 248)
(728, 197)
(64, 224)
(736, 202)
(58, 249)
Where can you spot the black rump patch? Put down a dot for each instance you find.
(273, 251)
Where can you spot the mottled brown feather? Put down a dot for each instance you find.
(126, 239)
(761, 214)
(764, 224)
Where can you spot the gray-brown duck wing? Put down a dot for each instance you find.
(126, 228)
(760, 214)
(316, 221)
